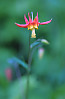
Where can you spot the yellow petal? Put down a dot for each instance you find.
(31, 27)
(35, 26)
(33, 35)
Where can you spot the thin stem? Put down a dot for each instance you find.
(34, 49)
(28, 73)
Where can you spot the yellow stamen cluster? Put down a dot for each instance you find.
(32, 28)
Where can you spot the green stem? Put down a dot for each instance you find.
(28, 71)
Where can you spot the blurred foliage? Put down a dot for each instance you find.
(47, 78)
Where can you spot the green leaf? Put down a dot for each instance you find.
(23, 64)
(34, 44)
(39, 41)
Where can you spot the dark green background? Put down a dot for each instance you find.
(47, 79)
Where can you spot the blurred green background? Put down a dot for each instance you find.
(47, 79)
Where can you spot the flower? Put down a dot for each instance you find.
(32, 24)
(41, 52)
(8, 73)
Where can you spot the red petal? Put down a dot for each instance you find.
(30, 20)
(36, 20)
(26, 20)
(22, 25)
(43, 23)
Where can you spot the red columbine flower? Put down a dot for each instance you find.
(32, 24)
(8, 73)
